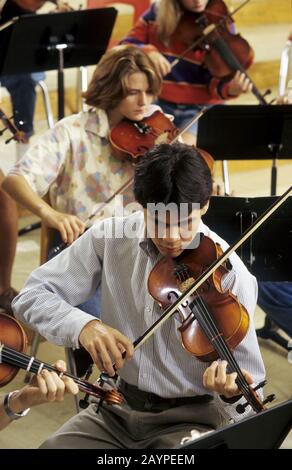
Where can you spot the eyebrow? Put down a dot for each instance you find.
(188, 220)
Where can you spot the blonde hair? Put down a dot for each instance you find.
(108, 85)
(169, 13)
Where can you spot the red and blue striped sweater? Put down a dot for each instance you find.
(189, 82)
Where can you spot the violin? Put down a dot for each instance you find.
(213, 322)
(17, 135)
(224, 52)
(13, 344)
(131, 139)
(191, 286)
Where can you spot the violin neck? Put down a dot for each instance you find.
(235, 65)
(208, 325)
(30, 364)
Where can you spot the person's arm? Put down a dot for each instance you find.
(69, 226)
(140, 35)
(31, 178)
(52, 291)
(48, 300)
(45, 387)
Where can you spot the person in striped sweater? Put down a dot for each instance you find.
(189, 85)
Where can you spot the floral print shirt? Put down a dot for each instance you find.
(74, 162)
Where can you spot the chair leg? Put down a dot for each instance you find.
(72, 370)
(47, 103)
(82, 84)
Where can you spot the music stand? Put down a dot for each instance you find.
(266, 430)
(267, 253)
(55, 42)
(249, 132)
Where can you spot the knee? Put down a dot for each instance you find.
(51, 443)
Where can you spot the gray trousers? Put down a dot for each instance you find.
(141, 424)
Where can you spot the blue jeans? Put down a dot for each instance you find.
(183, 113)
(91, 306)
(23, 97)
(275, 298)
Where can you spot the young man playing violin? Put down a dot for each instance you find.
(164, 32)
(168, 392)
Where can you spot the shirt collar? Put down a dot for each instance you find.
(97, 122)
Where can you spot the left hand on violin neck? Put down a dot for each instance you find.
(217, 379)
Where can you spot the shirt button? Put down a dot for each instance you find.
(148, 308)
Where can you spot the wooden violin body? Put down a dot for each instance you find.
(130, 140)
(167, 281)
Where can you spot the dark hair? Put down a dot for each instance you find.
(172, 173)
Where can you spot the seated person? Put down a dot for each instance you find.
(168, 391)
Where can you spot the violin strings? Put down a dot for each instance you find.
(21, 360)
(241, 380)
(211, 330)
(223, 346)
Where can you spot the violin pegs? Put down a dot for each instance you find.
(269, 399)
(9, 140)
(260, 385)
(3, 130)
(84, 402)
(240, 408)
(267, 92)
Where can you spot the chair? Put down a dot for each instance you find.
(285, 66)
(47, 103)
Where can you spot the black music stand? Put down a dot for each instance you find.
(55, 42)
(266, 430)
(267, 253)
(247, 132)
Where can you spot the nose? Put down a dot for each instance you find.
(172, 235)
(142, 98)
